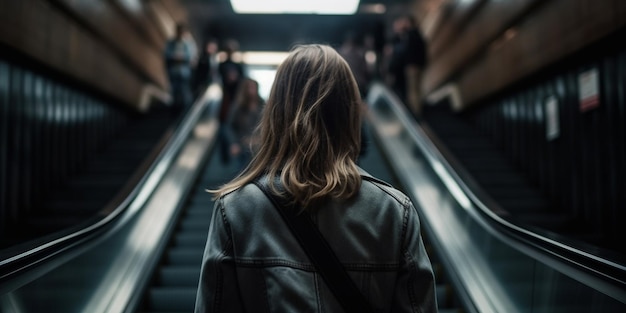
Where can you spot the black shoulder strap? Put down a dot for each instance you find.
(320, 253)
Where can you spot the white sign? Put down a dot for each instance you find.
(552, 118)
(588, 87)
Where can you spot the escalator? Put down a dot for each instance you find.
(376, 163)
(147, 258)
(473, 154)
(86, 270)
(174, 283)
(495, 265)
(94, 187)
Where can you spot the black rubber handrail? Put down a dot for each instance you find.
(608, 270)
(15, 270)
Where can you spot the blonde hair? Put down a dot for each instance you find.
(310, 129)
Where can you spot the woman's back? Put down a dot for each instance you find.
(375, 235)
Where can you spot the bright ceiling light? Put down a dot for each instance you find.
(273, 58)
(330, 7)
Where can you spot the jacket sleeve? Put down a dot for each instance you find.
(415, 286)
(218, 290)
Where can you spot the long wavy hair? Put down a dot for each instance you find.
(310, 129)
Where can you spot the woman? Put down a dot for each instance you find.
(242, 120)
(309, 139)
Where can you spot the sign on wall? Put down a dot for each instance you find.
(589, 90)
(552, 118)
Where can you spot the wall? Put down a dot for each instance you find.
(576, 154)
(484, 46)
(112, 46)
(71, 73)
(48, 130)
(517, 67)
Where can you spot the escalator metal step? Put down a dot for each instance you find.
(201, 200)
(165, 299)
(193, 224)
(179, 276)
(190, 239)
(200, 212)
(184, 256)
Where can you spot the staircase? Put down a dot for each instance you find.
(475, 155)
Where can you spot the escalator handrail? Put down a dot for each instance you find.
(607, 270)
(19, 266)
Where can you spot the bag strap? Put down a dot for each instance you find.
(319, 252)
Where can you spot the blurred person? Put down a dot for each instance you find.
(206, 67)
(179, 54)
(231, 73)
(372, 56)
(309, 142)
(242, 121)
(354, 54)
(407, 63)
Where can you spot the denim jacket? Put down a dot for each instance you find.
(252, 263)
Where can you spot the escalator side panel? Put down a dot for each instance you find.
(493, 270)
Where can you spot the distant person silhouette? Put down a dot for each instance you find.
(354, 54)
(179, 55)
(206, 71)
(242, 121)
(232, 73)
(407, 63)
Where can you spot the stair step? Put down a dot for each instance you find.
(190, 225)
(200, 214)
(194, 239)
(202, 199)
(179, 276)
(184, 256)
(164, 299)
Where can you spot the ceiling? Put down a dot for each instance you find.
(278, 32)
